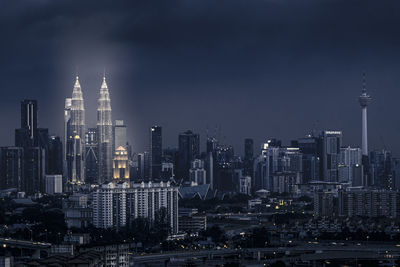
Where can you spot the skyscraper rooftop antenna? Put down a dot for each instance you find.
(364, 84)
(77, 72)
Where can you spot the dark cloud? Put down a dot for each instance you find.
(260, 68)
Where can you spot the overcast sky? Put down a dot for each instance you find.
(254, 68)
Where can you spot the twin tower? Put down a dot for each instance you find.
(75, 139)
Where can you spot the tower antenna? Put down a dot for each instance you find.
(364, 83)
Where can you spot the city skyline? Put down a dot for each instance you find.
(200, 133)
(218, 133)
(208, 69)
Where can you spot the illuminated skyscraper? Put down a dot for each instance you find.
(75, 135)
(105, 137)
(121, 164)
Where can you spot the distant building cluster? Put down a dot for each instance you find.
(97, 163)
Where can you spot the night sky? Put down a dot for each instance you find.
(260, 69)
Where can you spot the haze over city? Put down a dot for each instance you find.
(258, 69)
(199, 133)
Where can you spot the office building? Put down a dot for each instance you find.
(197, 173)
(104, 131)
(331, 144)
(55, 156)
(92, 155)
(311, 148)
(12, 167)
(349, 158)
(34, 143)
(189, 150)
(26, 136)
(75, 132)
(155, 152)
(380, 169)
(53, 184)
(119, 133)
(278, 168)
(34, 169)
(121, 164)
(67, 127)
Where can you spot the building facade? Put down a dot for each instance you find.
(75, 132)
(116, 204)
(105, 136)
(155, 152)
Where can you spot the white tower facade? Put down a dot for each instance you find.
(75, 135)
(364, 100)
(105, 136)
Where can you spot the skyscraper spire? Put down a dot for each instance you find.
(104, 126)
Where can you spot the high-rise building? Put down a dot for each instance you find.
(248, 156)
(34, 169)
(119, 133)
(26, 136)
(67, 127)
(34, 142)
(311, 148)
(332, 142)
(12, 168)
(121, 164)
(380, 169)
(92, 155)
(105, 139)
(278, 169)
(189, 150)
(212, 144)
(155, 152)
(55, 156)
(116, 204)
(197, 172)
(75, 136)
(53, 184)
(349, 157)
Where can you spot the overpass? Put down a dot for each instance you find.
(35, 247)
